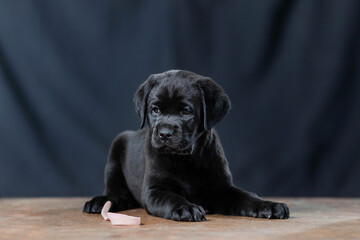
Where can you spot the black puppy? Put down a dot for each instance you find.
(175, 167)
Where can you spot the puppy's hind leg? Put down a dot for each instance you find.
(116, 189)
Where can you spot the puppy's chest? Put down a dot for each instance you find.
(189, 180)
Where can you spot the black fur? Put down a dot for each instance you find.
(175, 166)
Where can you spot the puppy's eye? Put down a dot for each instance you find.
(155, 111)
(186, 111)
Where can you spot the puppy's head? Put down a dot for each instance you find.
(179, 106)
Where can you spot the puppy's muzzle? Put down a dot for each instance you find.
(165, 134)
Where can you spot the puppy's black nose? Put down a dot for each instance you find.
(165, 133)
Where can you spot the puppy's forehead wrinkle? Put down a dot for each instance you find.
(170, 96)
(174, 94)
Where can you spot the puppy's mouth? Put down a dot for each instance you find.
(176, 145)
(170, 150)
(167, 149)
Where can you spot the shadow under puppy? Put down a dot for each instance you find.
(175, 166)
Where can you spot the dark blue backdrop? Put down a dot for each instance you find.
(69, 69)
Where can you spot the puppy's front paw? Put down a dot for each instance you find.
(95, 205)
(189, 213)
(271, 210)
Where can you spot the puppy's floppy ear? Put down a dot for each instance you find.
(140, 99)
(216, 104)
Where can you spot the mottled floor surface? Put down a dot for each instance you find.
(62, 218)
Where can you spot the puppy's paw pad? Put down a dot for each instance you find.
(189, 213)
(95, 205)
(273, 210)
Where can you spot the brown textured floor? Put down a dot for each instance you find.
(61, 218)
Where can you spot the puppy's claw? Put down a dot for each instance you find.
(188, 213)
(270, 210)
